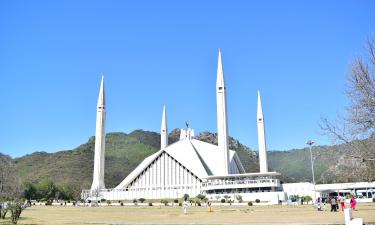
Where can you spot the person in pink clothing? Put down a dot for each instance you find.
(353, 202)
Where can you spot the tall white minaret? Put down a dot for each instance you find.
(222, 127)
(263, 166)
(98, 178)
(164, 131)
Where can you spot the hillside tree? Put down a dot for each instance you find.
(357, 127)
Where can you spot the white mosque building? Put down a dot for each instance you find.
(189, 166)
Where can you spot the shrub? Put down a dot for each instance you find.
(200, 196)
(180, 204)
(109, 202)
(175, 201)
(102, 200)
(164, 201)
(15, 211)
(222, 200)
(373, 200)
(239, 198)
(142, 200)
(306, 198)
(257, 200)
(49, 202)
(186, 197)
(150, 204)
(135, 201)
(250, 204)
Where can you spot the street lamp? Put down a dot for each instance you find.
(310, 143)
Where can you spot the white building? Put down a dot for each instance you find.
(193, 167)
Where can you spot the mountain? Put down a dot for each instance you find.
(123, 153)
(73, 168)
(331, 164)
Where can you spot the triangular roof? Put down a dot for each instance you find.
(199, 157)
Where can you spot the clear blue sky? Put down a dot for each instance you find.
(297, 53)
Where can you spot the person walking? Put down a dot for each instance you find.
(185, 205)
(333, 204)
(342, 202)
(353, 202)
(319, 204)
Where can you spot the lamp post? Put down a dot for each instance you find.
(310, 143)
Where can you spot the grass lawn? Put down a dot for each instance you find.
(196, 215)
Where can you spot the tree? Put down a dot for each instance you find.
(306, 198)
(357, 127)
(200, 196)
(15, 208)
(239, 198)
(186, 197)
(30, 191)
(227, 198)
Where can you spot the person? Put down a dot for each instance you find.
(353, 202)
(342, 202)
(333, 205)
(319, 204)
(185, 205)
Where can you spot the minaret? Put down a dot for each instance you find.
(263, 167)
(98, 178)
(222, 127)
(164, 131)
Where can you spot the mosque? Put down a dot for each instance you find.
(190, 166)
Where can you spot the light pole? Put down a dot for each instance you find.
(310, 143)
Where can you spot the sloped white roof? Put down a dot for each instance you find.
(184, 152)
(212, 156)
(201, 158)
(138, 170)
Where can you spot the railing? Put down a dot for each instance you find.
(223, 184)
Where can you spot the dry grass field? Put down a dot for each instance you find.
(42, 215)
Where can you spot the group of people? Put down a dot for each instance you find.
(335, 203)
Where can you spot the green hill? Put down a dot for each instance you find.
(73, 168)
(124, 152)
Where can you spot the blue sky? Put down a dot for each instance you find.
(297, 53)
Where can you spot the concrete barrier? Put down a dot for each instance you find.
(349, 220)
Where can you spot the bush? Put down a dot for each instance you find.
(201, 197)
(175, 201)
(257, 200)
(150, 204)
(15, 211)
(373, 200)
(180, 204)
(250, 204)
(186, 197)
(239, 198)
(102, 200)
(142, 200)
(109, 202)
(222, 200)
(164, 201)
(49, 202)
